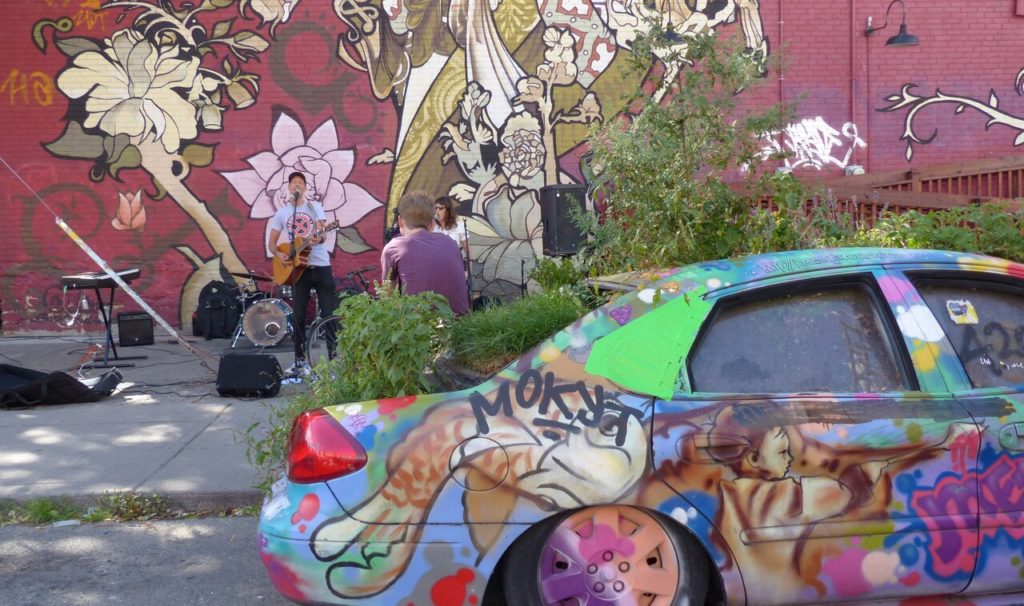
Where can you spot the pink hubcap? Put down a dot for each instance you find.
(609, 556)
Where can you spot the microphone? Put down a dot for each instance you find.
(295, 195)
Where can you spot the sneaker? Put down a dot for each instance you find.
(299, 369)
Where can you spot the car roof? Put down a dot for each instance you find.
(777, 264)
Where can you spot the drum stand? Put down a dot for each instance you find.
(238, 331)
(243, 300)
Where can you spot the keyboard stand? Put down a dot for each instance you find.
(108, 345)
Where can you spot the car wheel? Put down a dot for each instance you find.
(606, 556)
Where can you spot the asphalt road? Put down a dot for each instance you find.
(205, 561)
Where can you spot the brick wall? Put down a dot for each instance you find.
(211, 216)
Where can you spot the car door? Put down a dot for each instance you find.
(982, 314)
(801, 432)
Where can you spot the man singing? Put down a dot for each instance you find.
(305, 219)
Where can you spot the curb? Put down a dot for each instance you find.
(187, 501)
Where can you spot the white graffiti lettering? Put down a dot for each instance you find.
(812, 142)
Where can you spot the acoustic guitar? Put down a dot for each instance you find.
(298, 251)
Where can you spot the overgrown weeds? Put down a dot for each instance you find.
(487, 340)
(122, 506)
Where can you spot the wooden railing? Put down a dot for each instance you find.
(938, 187)
(989, 178)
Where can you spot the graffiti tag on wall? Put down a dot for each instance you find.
(814, 143)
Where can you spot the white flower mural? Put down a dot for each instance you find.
(135, 88)
(327, 168)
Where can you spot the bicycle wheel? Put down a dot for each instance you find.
(317, 338)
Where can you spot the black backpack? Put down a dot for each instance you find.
(218, 310)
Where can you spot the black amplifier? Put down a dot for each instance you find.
(134, 328)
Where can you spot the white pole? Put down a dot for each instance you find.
(203, 357)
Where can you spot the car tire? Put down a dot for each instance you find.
(592, 554)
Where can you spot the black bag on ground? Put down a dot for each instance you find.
(24, 387)
(218, 310)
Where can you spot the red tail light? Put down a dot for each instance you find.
(320, 449)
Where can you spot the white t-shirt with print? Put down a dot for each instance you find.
(305, 216)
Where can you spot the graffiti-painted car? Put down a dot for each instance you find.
(804, 427)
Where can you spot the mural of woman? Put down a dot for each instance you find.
(768, 510)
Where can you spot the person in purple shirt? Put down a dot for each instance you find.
(420, 259)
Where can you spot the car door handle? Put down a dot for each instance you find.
(719, 449)
(1011, 437)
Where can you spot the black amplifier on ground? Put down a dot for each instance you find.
(134, 328)
(249, 376)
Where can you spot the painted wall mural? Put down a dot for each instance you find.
(199, 109)
(155, 126)
(913, 105)
(264, 187)
(492, 86)
(140, 98)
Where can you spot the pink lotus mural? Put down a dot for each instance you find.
(327, 168)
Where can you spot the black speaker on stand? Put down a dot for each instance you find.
(558, 204)
(249, 375)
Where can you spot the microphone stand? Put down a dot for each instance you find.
(469, 263)
(291, 236)
(522, 277)
(291, 233)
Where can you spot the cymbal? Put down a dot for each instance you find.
(255, 277)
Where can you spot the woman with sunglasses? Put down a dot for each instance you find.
(445, 218)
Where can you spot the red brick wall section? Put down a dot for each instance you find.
(212, 215)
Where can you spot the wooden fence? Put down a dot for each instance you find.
(938, 187)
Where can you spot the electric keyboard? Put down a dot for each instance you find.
(97, 279)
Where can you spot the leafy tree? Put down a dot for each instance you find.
(679, 179)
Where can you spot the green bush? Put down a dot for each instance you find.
(666, 175)
(681, 177)
(565, 275)
(386, 343)
(384, 346)
(487, 340)
(553, 274)
(990, 229)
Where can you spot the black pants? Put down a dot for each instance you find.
(321, 280)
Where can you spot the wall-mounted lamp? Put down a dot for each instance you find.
(900, 39)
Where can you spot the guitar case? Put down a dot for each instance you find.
(25, 388)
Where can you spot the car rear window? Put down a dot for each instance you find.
(984, 321)
(829, 339)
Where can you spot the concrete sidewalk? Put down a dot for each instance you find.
(165, 430)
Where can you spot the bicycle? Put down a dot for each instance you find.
(316, 334)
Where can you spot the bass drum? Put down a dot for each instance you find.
(266, 323)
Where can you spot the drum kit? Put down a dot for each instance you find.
(267, 316)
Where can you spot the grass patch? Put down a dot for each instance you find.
(110, 507)
(489, 339)
(43, 510)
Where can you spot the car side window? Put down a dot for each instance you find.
(984, 321)
(829, 339)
